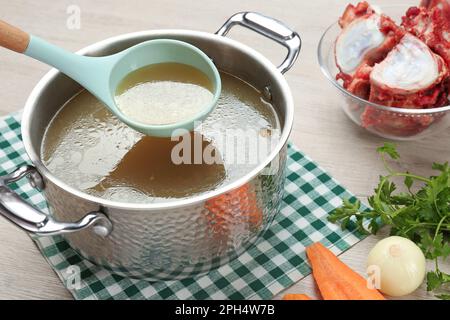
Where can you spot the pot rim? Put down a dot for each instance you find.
(48, 77)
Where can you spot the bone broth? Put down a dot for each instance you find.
(88, 148)
(164, 93)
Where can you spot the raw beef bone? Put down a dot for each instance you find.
(366, 38)
(412, 77)
(431, 23)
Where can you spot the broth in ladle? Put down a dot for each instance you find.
(164, 93)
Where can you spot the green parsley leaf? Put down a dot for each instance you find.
(389, 149)
(409, 182)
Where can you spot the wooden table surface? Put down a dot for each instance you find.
(321, 129)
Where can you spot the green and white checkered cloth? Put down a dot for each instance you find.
(276, 262)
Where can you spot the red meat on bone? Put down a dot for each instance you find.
(411, 76)
(423, 28)
(431, 23)
(356, 80)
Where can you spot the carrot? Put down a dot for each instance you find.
(244, 210)
(296, 296)
(336, 281)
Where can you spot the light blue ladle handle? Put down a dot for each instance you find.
(102, 75)
(92, 73)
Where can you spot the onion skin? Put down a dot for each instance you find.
(401, 265)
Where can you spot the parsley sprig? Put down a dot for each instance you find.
(421, 213)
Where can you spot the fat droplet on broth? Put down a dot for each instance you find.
(110, 151)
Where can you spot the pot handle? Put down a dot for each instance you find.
(270, 28)
(27, 217)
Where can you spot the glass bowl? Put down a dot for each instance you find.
(387, 122)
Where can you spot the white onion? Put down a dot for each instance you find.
(400, 264)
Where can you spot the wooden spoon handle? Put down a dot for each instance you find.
(13, 38)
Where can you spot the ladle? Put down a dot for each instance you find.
(102, 75)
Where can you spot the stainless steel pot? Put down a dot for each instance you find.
(162, 240)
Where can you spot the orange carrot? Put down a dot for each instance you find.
(296, 296)
(336, 281)
(246, 209)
